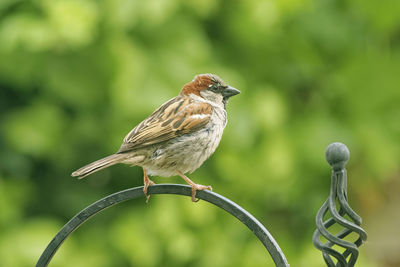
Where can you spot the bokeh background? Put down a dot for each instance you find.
(77, 75)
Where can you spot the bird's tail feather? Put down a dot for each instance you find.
(98, 165)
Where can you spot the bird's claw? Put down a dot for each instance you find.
(147, 183)
(200, 187)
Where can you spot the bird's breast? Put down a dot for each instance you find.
(188, 152)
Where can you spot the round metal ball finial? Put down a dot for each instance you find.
(337, 155)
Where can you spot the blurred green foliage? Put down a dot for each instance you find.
(76, 76)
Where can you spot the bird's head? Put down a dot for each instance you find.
(210, 87)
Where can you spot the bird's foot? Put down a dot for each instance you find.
(194, 186)
(147, 183)
(200, 187)
(146, 186)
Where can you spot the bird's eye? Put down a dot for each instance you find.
(214, 88)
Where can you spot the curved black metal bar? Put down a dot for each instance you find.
(245, 217)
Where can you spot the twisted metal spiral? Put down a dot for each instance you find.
(337, 156)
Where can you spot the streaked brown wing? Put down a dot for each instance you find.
(174, 118)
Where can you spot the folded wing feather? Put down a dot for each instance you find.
(174, 118)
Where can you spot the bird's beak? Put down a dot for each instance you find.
(229, 91)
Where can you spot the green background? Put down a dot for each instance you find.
(77, 75)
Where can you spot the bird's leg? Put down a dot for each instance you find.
(147, 183)
(194, 186)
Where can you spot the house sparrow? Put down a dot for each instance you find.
(178, 137)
